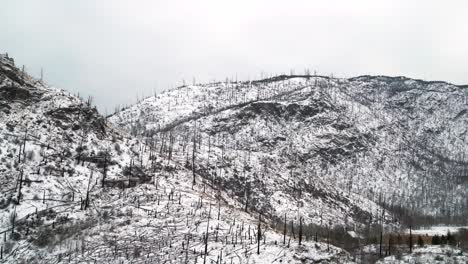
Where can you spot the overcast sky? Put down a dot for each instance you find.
(116, 49)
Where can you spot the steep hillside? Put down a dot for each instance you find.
(255, 144)
(74, 190)
(318, 147)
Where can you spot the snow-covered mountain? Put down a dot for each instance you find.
(326, 149)
(75, 189)
(191, 175)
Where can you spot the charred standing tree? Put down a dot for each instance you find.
(130, 173)
(20, 186)
(22, 147)
(292, 229)
(209, 151)
(410, 240)
(259, 234)
(80, 147)
(381, 238)
(104, 174)
(171, 145)
(206, 238)
(390, 240)
(187, 249)
(13, 220)
(219, 208)
(300, 231)
(193, 159)
(246, 195)
(86, 205)
(284, 230)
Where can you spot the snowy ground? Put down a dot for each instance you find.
(243, 143)
(322, 150)
(52, 147)
(366, 140)
(429, 254)
(437, 230)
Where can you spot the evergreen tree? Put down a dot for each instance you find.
(420, 241)
(451, 239)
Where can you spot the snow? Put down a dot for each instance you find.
(149, 222)
(244, 140)
(354, 234)
(319, 149)
(437, 230)
(429, 254)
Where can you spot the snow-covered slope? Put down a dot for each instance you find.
(429, 254)
(318, 147)
(74, 189)
(54, 150)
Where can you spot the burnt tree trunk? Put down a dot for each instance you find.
(259, 235)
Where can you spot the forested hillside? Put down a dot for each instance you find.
(318, 146)
(286, 169)
(75, 189)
